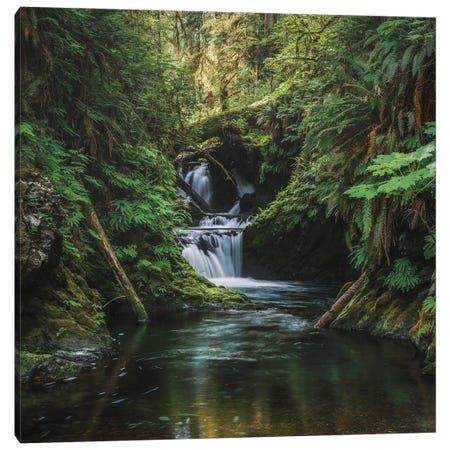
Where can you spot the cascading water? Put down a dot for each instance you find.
(200, 181)
(242, 185)
(214, 247)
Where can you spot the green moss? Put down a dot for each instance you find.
(221, 123)
(383, 315)
(42, 367)
(189, 289)
(423, 334)
(207, 293)
(63, 314)
(27, 360)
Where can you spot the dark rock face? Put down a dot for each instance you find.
(248, 202)
(63, 313)
(60, 314)
(317, 253)
(38, 216)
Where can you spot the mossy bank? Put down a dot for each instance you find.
(62, 327)
(379, 312)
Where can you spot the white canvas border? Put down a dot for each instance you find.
(431, 8)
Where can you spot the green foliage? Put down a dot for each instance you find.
(354, 108)
(429, 249)
(64, 169)
(359, 256)
(429, 305)
(70, 303)
(99, 315)
(405, 175)
(349, 130)
(428, 327)
(403, 276)
(100, 102)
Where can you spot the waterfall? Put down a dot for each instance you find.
(242, 185)
(214, 247)
(236, 208)
(200, 181)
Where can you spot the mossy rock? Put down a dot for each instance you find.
(201, 293)
(223, 123)
(45, 367)
(393, 316)
(64, 314)
(189, 290)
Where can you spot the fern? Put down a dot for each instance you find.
(364, 220)
(429, 305)
(359, 256)
(127, 251)
(428, 328)
(429, 248)
(364, 191)
(403, 276)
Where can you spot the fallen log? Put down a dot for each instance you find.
(115, 266)
(196, 153)
(220, 124)
(196, 199)
(227, 174)
(340, 303)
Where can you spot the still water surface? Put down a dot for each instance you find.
(238, 374)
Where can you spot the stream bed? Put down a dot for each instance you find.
(238, 374)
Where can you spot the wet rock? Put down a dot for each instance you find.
(45, 368)
(62, 330)
(80, 356)
(40, 212)
(247, 203)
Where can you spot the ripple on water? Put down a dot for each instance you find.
(231, 370)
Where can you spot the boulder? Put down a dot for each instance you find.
(39, 214)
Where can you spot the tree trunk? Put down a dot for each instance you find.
(115, 265)
(269, 20)
(195, 198)
(340, 303)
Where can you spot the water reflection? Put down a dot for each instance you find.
(232, 374)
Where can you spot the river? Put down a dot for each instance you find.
(236, 374)
(264, 372)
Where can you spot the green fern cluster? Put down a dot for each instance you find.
(64, 168)
(429, 305)
(403, 276)
(429, 248)
(429, 327)
(403, 175)
(362, 122)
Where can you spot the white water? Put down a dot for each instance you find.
(200, 180)
(242, 185)
(214, 247)
(236, 208)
